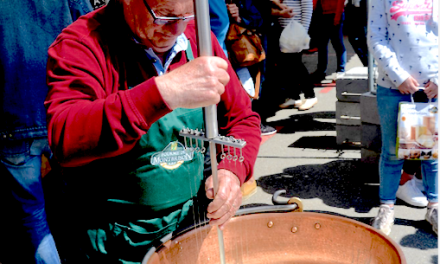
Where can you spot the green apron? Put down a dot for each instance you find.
(155, 191)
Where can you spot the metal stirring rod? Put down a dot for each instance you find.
(203, 27)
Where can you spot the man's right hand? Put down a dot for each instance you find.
(198, 83)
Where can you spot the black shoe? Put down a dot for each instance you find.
(267, 130)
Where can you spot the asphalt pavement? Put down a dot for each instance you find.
(303, 158)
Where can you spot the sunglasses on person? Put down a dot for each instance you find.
(158, 20)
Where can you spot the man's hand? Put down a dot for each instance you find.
(198, 83)
(228, 198)
(409, 86)
(431, 90)
(234, 11)
(284, 11)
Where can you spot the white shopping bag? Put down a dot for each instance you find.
(294, 38)
(417, 131)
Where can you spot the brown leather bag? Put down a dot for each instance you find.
(244, 46)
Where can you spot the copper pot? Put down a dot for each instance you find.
(294, 237)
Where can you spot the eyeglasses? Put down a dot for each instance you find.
(158, 20)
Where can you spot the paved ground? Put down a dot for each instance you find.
(303, 159)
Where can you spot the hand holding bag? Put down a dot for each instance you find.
(417, 131)
(294, 38)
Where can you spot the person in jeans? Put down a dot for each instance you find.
(402, 37)
(355, 27)
(27, 28)
(330, 16)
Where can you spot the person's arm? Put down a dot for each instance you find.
(284, 11)
(379, 46)
(306, 13)
(89, 116)
(235, 118)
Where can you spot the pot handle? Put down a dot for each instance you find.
(292, 205)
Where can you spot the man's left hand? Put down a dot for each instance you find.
(228, 198)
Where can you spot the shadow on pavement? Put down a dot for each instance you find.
(321, 142)
(424, 238)
(340, 184)
(306, 122)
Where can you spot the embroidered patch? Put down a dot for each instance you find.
(172, 156)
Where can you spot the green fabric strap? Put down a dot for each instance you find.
(189, 53)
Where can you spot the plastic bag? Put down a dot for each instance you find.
(417, 131)
(294, 38)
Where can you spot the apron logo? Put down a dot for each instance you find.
(172, 156)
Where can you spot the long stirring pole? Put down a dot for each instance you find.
(205, 49)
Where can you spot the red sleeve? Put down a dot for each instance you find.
(89, 117)
(236, 118)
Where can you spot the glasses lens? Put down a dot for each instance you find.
(161, 22)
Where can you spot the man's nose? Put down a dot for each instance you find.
(176, 27)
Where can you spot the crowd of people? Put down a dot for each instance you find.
(99, 88)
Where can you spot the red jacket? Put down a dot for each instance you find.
(92, 113)
(331, 7)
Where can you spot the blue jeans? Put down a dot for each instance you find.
(330, 32)
(22, 203)
(389, 166)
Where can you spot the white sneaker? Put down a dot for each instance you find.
(335, 76)
(339, 75)
(419, 184)
(410, 194)
(291, 103)
(384, 220)
(432, 217)
(308, 103)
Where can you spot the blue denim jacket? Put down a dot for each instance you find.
(26, 31)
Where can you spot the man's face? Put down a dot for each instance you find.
(160, 38)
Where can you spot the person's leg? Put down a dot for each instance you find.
(23, 200)
(305, 81)
(430, 179)
(323, 40)
(389, 166)
(290, 74)
(337, 39)
(408, 190)
(407, 172)
(430, 182)
(305, 85)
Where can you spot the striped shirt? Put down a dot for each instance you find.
(302, 9)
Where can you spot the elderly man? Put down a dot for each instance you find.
(123, 81)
